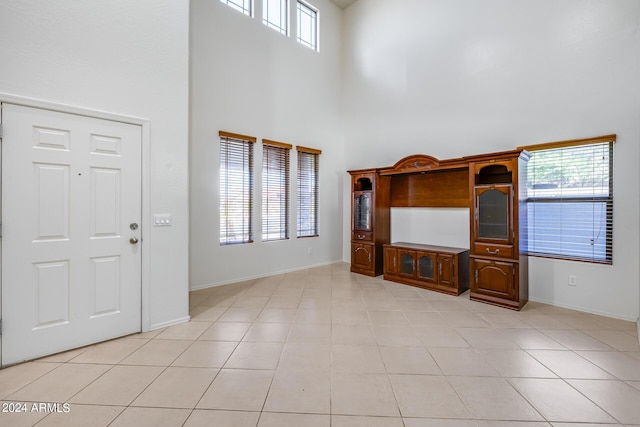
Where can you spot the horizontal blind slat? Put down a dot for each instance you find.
(308, 167)
(570, 202)
(275, 191)
(236, 189)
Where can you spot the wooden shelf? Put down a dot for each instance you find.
(449, 188)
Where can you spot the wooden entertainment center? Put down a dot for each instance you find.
(492, 186)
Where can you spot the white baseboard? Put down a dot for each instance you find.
(261, 276)
(584, 309)
(170, 323)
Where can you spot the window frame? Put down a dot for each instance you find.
(569, 196)
(230, 140)
(308, 193)
(284, 16)
(303, 6)
(246, 8)
(281, 185)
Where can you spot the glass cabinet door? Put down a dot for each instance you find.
(493, 215)
(362, 211)
(407, 263)
(427, 266)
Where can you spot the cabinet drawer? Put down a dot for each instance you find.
(493, 250)
(365, 236)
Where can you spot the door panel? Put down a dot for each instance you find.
(493, 214)
(52, 192)
(407, 265)
(52, 288)
(105, 202)
(71, 185)
(105, 285)
(362, 211)
(362, 255)
(446, 270)
(493, 278)
(391, 260)
(427, 267)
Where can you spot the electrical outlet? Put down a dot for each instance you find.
(572, 281)
(309, 251)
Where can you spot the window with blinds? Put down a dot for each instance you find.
(570, 200)
(236, 188)
(275, 14)
(243, 6)
(275, 190)
(308, 178)
(307, 25)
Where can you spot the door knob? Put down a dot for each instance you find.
(133, 240)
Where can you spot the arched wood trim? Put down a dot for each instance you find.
(422, 163)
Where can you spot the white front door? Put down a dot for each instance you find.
(71, 209)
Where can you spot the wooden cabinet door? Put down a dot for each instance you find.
(362, 256)
(406, 263)
(493, 278)
(426, 267)
(446, 269)
(390, 261)
(493, 214)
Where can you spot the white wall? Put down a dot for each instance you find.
(459, 77)
(436, 226)
(247, 78)
(128, 58)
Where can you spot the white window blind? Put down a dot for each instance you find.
(236, 188)
(243, 6)
(308, 189)
(275, 190)
(307, 25)
(275, 14)
(570, 200)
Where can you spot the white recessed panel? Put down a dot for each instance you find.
(51, 139)
(52, 200)
(52, 286)
(106, 145)
(105, 281)
(105, 201)
(431, 226)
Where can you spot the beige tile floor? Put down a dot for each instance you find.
(324, 347)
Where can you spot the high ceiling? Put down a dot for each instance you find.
(342, 3)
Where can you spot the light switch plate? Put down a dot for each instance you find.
(162, 220)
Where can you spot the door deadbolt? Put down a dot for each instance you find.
(133, 226)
